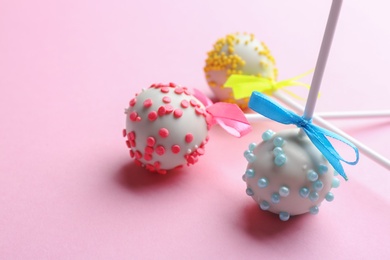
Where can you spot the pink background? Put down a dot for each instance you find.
(68, 189)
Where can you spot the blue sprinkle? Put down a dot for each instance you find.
(249, 156)
(267, 135)
(262, 182)
(318, 185)
(249, 192)
(284, 216)
(329, 196)
(313, 196)
(284, 191)
(312, 175)
(280, 160)
(252, 146)
(335, 183)
(250, 173)
(264, 205)
(323, 169)
(275, 198)
(278, 141)
(304, 192)
(314, 210)
(278, 150)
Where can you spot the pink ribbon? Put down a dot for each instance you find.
(229, 116)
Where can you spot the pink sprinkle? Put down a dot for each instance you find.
(131, 153)
(132, 143)
(168, 109)
(161, 171)
(153, 86)
(161, 111)
(199, 111)
(150, 141)
(175, 148)
(184, 103)
(160, 150)
(178, 167)
(165, 89)
(189, 138)
(177, 113)
(200, 151)
(152, 116)
(124, 132)
(138, 154)
(166, 99)
(132, 102)
(148, 157)
(163, 132)
(148, 103)
(157, 165)
(128, 144)
(138, 119)
(179, 91)
(150, 167)
(149, 149)
(133, 116)
(172, 85)
(186, 91)
(192, 159)
(193, 103)
(131, 135)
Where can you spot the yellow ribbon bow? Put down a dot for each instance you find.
(244, 85)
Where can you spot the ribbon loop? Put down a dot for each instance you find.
(244, 85)
(229, 116)
(317, 135)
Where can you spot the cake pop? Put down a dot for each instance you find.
(238, 53)
(167, 127)
(291, 172)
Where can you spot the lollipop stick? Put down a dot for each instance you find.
(252, 118)
(322, 58)
(378, 158)
(355, 114)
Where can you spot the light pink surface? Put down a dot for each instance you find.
(68, 189)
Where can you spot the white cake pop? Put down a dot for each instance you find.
(237, 54)
(287, 174)
(166, 127)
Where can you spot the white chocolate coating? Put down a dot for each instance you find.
(292, 184)
(237, 54)
(166, 127)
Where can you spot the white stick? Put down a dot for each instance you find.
(378, 158)
(355, 114)
(322, 58)
(253, 118)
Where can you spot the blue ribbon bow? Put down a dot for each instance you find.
(318, 135)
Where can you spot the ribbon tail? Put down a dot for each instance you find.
(244, 85)
(230, 118)
(318, 137)
(335, 136)
(202, 97)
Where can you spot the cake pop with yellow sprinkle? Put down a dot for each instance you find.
(237, 54)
